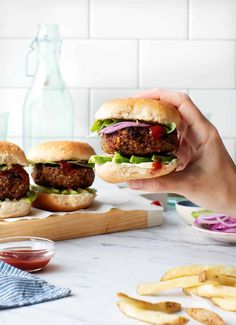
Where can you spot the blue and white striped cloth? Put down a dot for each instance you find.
(19, 288)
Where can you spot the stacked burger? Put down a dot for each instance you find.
(140, 138)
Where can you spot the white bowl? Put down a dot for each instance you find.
(185, 209)
(227, 238)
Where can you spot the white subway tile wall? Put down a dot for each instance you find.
(211, 19)
(117, 48)
(139, 19)
(189, 64)
(18, 19)
(100, 63)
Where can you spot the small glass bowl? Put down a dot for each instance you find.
(26, 253)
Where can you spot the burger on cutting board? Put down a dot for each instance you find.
(15, 196)
(139, 136)
(63, 175)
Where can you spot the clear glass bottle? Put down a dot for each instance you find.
(48, 107)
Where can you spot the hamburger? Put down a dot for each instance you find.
(15, 196)
(140, 137)
(62, 175)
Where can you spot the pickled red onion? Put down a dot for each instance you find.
(217, 222)
(122, 125)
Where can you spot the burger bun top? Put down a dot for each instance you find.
(143, 109)
(11, 154)
(60, 150)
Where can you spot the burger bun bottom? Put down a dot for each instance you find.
(14, 208)
(118, 173)
(62, 202)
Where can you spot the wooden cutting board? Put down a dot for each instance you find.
(75, 225)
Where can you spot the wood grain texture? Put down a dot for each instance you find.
(76, 225)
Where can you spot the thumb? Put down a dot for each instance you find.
(172, 183)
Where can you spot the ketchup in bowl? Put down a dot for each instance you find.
(26, 253)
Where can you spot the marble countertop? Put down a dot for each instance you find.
(95, 268)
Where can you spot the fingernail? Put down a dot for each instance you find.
(136, 184)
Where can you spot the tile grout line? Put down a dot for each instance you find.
(234, 149)
(89, 110)
(235, 63)
(138, 63)
(89, 18)
(167, 39)
(128, 88)
(188, 19)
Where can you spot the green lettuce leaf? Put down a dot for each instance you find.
(30, 197)
(82, 163)
(51, 190)
(166, 159)
(170, 127)
(139, 160)
(96, 159)
(118, 159)
(197, 214)
(98, 125)
(3, 167)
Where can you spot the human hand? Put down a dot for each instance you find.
(207, 175)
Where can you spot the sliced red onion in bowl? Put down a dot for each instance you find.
(122, 125)
(217, 222)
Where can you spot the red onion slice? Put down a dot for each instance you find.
(217, 222)
(210, 220)
(122, 125)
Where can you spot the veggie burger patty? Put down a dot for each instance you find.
(139, 141)
(63, 175)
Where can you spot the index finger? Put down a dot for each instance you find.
(169, 96)
(189, 112)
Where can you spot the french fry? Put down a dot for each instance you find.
(164, 306)
(227, 270)
(182, 271)
(205, 316)
(228, 304)
(150, 316)
(188, 291)
(210, 291)
(190, 270)
(154, 287)
(214, 275)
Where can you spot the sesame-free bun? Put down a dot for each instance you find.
(118, 173)
(11, 154)
(62, 202)
(60, 150)
(14, 208)
(143, 109)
